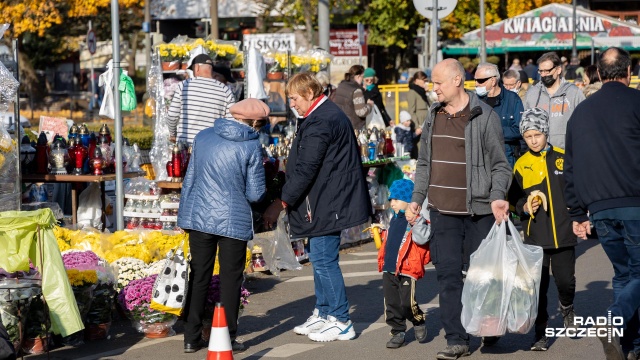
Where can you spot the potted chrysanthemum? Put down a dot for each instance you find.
(135, 298)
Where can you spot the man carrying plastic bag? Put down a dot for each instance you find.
(501, 289)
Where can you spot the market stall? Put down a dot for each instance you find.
(550, 28)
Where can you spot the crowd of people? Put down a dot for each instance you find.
(480, 154)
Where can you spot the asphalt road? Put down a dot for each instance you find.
(279, 304)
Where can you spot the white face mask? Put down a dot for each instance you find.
(514, 90)
(481, 91)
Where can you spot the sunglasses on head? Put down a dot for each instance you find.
(483, 80)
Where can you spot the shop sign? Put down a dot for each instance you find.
(346, 43)
(552, 24)
(273, 42)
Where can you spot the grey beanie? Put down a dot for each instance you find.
(535, 119)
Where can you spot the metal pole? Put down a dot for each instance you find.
(433, 59)
(16, 125)
(115, 31)
(213, 12)
(574, 49)
(483, 46)
(593, 51)
(94, 101)
(323, 24)
(147, 40)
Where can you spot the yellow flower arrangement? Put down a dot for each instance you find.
(171, 52)
(238, 61)
(82, 277)
(138, 251)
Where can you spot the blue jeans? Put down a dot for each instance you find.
(620, 240)
(331, 295)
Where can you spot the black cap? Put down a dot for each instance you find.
(201, 59)
(224, 71)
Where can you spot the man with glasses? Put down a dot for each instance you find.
(505, 103)
(554, 95)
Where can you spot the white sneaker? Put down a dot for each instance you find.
(313, 323)
(334, 330)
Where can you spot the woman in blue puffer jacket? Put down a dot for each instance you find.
(225, 174)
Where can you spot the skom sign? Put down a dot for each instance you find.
(273, 42)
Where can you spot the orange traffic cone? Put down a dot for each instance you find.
(219, 340)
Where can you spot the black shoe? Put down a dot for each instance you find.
(237, 346)
(191, 348)
(568, 316)
(453, 352)
(396, 341)
(420, 332)
(490, 340)
(540, 344)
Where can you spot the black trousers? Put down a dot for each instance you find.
(232, 258)
(563, 265)
(455, 238)
(400, 302)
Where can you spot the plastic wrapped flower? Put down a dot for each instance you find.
(76, 259)
(135, 298)
(80, 278)
(128, 269)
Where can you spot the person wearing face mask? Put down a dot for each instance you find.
(505, 103)
(350, 97)
(371, 92)
(554, 95)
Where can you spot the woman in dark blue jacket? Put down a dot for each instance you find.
(225, 174)
(325, 192)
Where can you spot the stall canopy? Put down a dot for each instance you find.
(550, 28)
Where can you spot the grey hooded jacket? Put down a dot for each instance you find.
(488, 172)
(560, 106)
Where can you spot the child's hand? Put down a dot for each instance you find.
(411, 216)
(535, 205)
(418, 131)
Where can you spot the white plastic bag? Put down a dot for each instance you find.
(276, 247)
(90, 207)
(374, 119)
(108, 102)
(523, 305)
(487, 289)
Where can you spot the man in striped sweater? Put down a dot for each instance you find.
(198, 102)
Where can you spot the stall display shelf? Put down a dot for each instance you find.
(169, 205)
(141, 197)
(169, 218)
(141, 214)
(169, 185)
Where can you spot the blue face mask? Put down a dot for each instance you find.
(370, 87)
(481, 91)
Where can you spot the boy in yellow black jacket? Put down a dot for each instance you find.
(545, 218)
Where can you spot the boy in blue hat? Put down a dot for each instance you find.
(401, 262)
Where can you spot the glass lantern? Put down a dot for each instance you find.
(58, 158)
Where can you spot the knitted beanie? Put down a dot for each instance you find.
(402, 190)
(535, 119)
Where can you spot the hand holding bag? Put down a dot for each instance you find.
(170, 288)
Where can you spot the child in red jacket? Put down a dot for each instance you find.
(401, 262)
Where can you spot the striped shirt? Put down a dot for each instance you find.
(448, 183)
(196, 104)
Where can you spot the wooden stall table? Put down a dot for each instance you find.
(51, 178)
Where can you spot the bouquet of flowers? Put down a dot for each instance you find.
(135, 298)
(37, 326)
(171, 52)
(128, 269)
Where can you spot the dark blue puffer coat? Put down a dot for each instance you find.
(225, 174)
